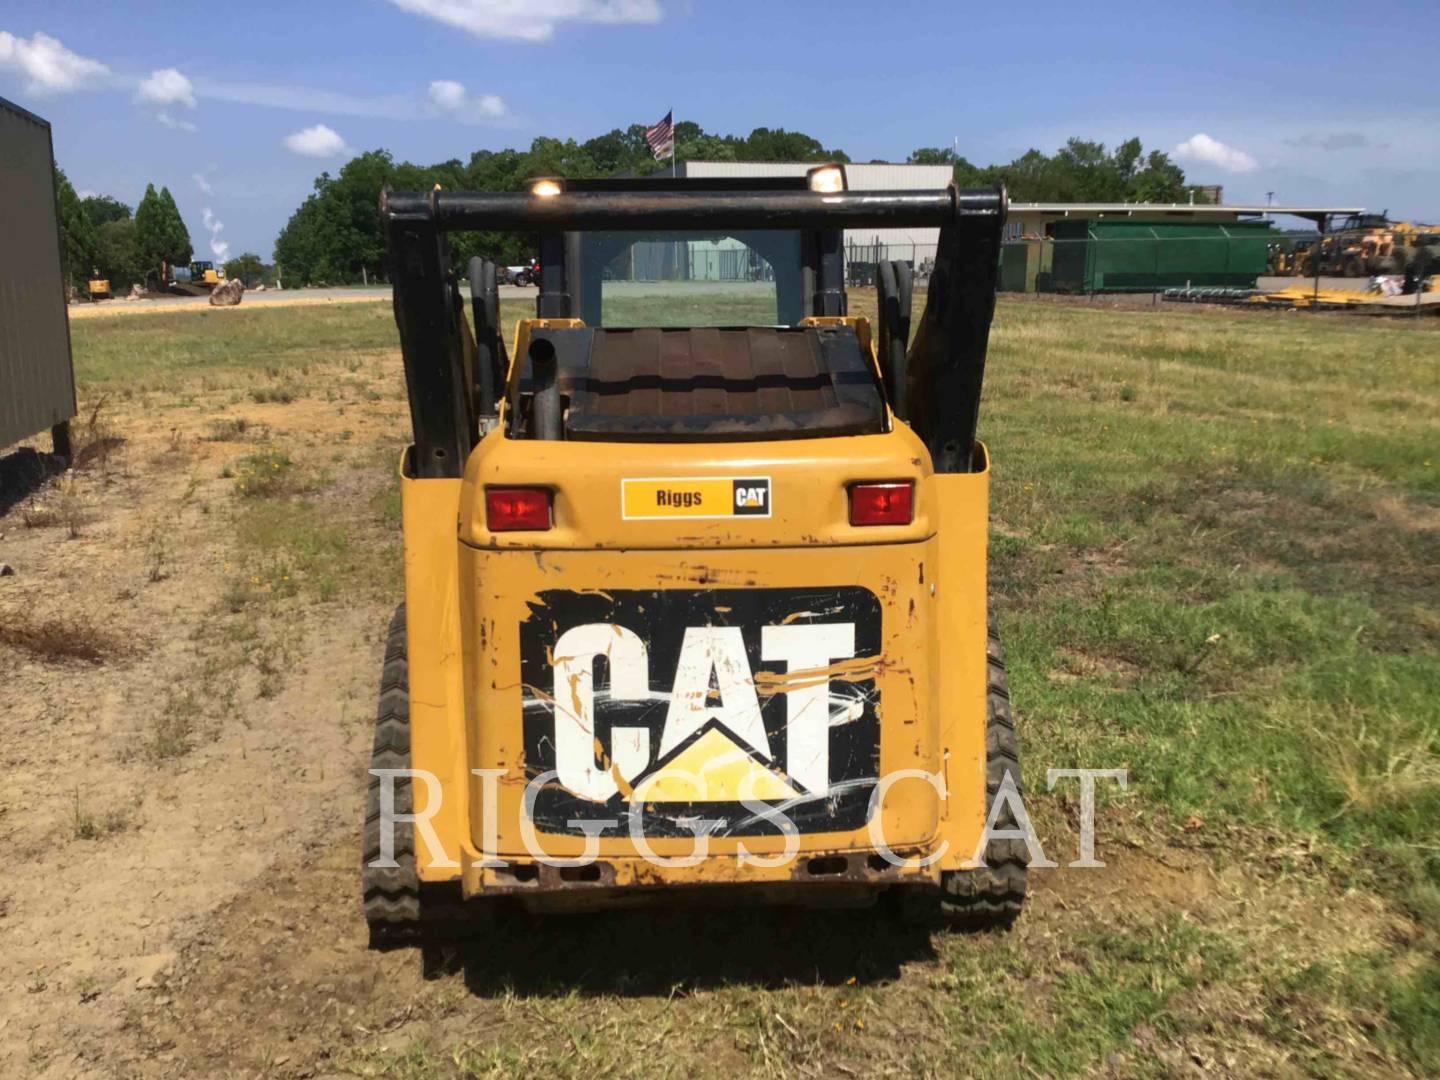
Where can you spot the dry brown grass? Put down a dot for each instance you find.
(94, 440)
(61, 638)
(65, 504)
(1379, 757)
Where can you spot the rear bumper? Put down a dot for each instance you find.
(825, 879)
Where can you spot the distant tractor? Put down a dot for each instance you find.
(98, 287)
(206, 274)
(1362, 246)
(1415, 243)
(1285, 256)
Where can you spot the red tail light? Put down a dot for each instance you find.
(882, 504)
(508, 509)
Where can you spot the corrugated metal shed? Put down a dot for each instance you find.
(877, 177)
(37, 381)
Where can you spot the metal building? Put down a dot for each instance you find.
(1033, 230)
(863, 246)
(37, 380)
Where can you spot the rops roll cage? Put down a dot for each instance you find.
(452, 375)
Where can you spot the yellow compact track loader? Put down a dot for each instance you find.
(695, 569)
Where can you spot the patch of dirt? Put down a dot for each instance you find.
(149, 306)
(1077, 664)
(1405, 516)
(153, 783)
(1221, 875)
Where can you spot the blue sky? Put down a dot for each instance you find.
(238, 107)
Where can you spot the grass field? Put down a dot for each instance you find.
(1215, 563)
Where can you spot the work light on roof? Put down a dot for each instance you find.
(827, 179)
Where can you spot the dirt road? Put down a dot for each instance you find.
(268, 298)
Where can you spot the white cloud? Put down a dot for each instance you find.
(219, 248)
(308, 99)
(202, 182)
(318, 141)
(166, 87)
(447, 93)
(86, 193)
(449, 96)
(1337, 140)
(482, 108)
(529, 20)
(175, 124)
(48, 66)
(1203, 150)
(491, 105)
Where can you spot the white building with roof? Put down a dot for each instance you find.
(915, 245)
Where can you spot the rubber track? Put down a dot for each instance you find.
(391, 895)
(992, 895)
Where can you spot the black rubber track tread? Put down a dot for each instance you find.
(391, 894)
(992, 895)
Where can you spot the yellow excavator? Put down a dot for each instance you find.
(206, 274)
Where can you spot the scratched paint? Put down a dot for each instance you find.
(630, 696)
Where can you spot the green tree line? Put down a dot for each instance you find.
(100, 234)
(1080, 171)
(335, 236)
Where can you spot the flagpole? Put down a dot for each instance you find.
(673, 140)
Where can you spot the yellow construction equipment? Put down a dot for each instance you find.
(1363, 245)
(1303, 296)
(98, 287)
(206, 274)
(695, 575)
(1416, 248)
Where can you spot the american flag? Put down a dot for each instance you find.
(661, 137)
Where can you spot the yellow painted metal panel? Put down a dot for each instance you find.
(472, 595)
(959, 637)
(436, 665)
(808, 480)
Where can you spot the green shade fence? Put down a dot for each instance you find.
(1090, 256)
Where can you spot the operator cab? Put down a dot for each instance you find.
(724, 334)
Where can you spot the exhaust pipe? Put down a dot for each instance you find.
(545, 418)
